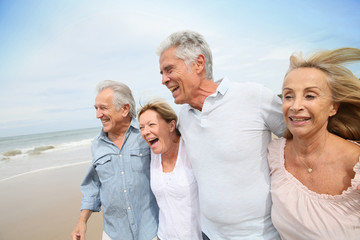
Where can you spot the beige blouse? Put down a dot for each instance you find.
(298, 213)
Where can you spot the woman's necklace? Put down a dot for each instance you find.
(309, 169)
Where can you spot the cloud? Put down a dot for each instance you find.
(55, 57)
(277, 54)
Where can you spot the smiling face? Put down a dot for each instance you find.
(106, 111)
(156, 131)
(307, 102)
(177, 77)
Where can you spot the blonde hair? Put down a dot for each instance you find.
(163, 109)
(344, 85)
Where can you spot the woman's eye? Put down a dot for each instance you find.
(287, 97)
(309, 96)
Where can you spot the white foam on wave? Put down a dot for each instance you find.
(20, 153)
(75, 144)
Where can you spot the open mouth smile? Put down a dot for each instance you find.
(173, 89)
(104, 120)
(152, 141)
(299, 119)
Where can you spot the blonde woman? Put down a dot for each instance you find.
(171, 177)
(315, 168)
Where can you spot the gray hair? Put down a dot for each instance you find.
(122, 95)
(189, 45)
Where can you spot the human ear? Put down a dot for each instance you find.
(200, 63)
(172, 125)
(334, 109)
(126, 109)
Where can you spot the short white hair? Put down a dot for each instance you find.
(122, 95)
(189, 45)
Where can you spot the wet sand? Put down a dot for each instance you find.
(44, 205)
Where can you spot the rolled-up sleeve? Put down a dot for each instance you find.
(90, 189)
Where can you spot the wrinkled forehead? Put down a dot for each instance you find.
(307, 79)
(312, 76)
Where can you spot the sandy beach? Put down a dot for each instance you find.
(44, 205)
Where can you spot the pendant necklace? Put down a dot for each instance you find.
(309, 169)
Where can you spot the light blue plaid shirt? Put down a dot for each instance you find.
(119, 181)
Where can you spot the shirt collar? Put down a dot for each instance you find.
(223, 86)
(134, 123)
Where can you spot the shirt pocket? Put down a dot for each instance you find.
(104, 168)
(140, 159)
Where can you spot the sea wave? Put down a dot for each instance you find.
(36, 150)
(11, 153)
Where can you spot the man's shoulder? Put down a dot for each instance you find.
(184, 116)
(135, 141)
(184, 109)
(102, 146)
(97, 138)
(245, 86)
(250, 90)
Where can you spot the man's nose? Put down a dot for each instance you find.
(99, 113)
(165, 79)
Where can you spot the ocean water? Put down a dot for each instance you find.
(37, 152)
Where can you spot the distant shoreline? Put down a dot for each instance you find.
(51, 159)
(49, 132)
(43, 141)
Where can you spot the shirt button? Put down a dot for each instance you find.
(129, 208)
(125, 190)
(120, 155)
(140, 154)
(122, 173)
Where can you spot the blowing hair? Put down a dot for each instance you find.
(163, 109)
(189, 45)
(122, 95)
(344, 85)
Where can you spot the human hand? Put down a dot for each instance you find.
(79, 232)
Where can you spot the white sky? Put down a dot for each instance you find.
(53, 53)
